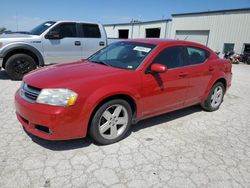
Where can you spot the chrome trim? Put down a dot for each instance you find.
(29, 94)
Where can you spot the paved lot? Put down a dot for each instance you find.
(187, 148)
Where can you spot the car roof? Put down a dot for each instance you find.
(167, 41)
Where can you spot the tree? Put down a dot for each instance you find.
(4, 30)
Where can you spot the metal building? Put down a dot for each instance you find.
(151, 29)
(222, 30)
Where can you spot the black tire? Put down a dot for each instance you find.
(94, 126)
(18, 65)
(207, 104)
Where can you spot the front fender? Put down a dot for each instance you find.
(108, 91)
(101, 94)
(22, 46)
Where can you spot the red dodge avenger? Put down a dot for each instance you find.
(120, 85)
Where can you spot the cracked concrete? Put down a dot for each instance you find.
(186, 148)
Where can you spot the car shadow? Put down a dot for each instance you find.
(85, 142)
(4, 75)
(164, 118)
(61, 145)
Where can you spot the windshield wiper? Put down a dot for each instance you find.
(101, 62)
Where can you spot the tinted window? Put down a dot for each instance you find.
(196, 55)
(91, 31)
(171, 57)
(66, 30)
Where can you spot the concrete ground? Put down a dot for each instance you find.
(186, 148)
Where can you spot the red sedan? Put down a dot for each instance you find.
(121, 84)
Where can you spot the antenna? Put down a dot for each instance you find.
(16, 22)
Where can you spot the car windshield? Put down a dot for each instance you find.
(125, 55)
(38, 30)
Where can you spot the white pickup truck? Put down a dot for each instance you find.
(49, 43)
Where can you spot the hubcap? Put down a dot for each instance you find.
(113, 122)
(217, 96)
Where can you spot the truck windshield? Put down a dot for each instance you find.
(125, 54)
(38, 30)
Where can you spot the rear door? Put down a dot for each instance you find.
(66, 49)
(199, 72)
(92, 38)
(166, 91)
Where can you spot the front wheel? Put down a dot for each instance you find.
(111, 122)
(18, 65)
(214, 98)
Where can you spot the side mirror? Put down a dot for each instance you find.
(53, 35)
(158, 68)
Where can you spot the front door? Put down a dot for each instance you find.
(66, 49)
(165, 91)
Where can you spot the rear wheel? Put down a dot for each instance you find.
(215, 97)
(111, 122)
(18, 65)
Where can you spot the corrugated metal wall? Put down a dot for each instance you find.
(223, 27)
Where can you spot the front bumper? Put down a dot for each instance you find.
(61, 123)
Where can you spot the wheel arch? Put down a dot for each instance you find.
(131, 101)
(24, 49)
(218, 78)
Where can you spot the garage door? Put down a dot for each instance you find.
(194, 36)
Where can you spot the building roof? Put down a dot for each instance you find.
(137, 23)
(213, 12)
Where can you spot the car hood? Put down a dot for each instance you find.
(16, 35)
(70, 75)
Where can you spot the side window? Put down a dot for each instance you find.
(196, 55)
(91, 31)
(171, 57)
(66, 30)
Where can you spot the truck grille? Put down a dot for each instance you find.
(29, 93)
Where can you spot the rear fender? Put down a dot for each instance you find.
(213, 80)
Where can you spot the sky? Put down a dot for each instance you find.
(23, 15)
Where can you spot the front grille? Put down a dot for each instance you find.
(29, 93)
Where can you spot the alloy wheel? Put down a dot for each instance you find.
(217, 96)
(113, 122)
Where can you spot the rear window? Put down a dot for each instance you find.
(196, 55)
(91, 31)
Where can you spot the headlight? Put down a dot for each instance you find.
(57, 97)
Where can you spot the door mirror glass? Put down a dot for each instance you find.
(53, 35)
(158, 68)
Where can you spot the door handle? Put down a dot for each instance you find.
(101, 43)
(183, 74)
(77, 43)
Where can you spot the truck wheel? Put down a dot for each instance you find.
(111, 122)
(18, 65)
(214, 98)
